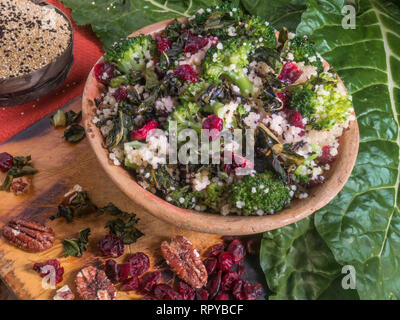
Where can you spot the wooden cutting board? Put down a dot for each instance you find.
(62, 165)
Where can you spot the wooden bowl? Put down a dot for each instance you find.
(213, 223)
(19, 90)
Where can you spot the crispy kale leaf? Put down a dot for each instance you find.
(75, 247)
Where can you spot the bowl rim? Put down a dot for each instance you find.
(211, 222)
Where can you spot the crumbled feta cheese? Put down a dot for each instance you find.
(240, 204)
(251, 120)
(165, 104)
(231, 31)
(201, 180)
(290, 56)
(312, 59)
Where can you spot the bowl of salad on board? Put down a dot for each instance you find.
(219, 123)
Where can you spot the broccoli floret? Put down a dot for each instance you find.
(228, 59)
(184, 198)
(186, 116)
(241, 111)
(193, 91)
(214, 193)
(262, 193)
(226, 112)
(304, 50)
(258, 31)
(302, 100)
(323, 101)
(302, 174)
(129, 54)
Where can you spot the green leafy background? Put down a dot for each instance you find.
(361, 226)
(115, 19)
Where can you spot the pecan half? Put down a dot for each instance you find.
(29, 235)
(64, 293)
(20, 185)
(185, 261)
(93, 284)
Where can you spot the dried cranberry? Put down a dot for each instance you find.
(229, 239)
(213, 40)
(6, 161)
(225, 261)
(252, 290)
(222, 296)
(142, 133)
(253, 246)
(211, 265)
(158, 70)
(244, 290)
(195, 43)
(45, 268)
(236, 248)
(201, 294)
(294, 118)
(302, 133)
(283, 96)
(326, 156)
(237, 290)
(139, 263)
(149, 281)
(124, 271)
(216, 250)
(315, 182)
(148, 298)
(228, 280)
(214, 124)
(165, 292)
(130, 284)
(104, 72)
(240, 270)
(214, 284)
(111, 246)
(290, 73)
(186, 72)
(163, 43)
(185, 291)
(116, 272)
(120, 94)
(238, 162)
(186, 32)
(111, 270)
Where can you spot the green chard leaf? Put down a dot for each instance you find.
(362, 224)
(282, 13)
(75, 247)
(298, 264)
(112, 20)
